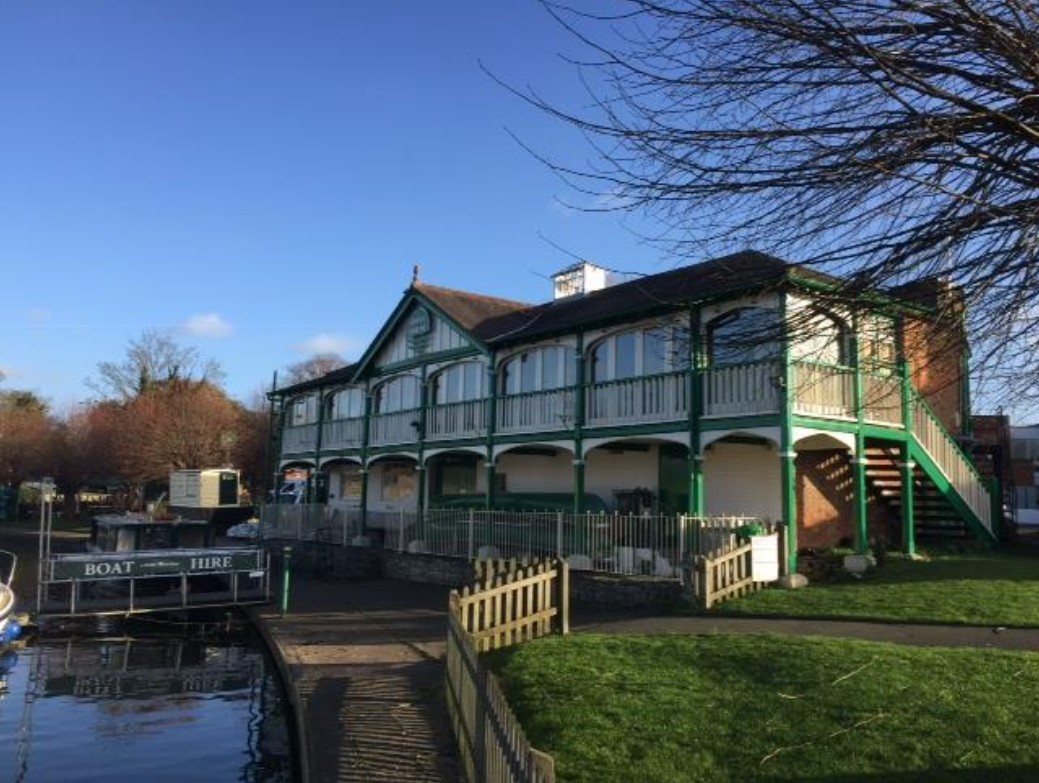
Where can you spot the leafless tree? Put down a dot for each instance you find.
(882, 140)
(154, 358)
(317, 365)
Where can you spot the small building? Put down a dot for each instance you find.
(741, 385)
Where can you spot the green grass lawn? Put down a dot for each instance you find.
(774, 708)
(972, 589)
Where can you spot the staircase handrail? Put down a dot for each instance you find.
(918, 398)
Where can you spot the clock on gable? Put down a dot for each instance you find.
(420, 325)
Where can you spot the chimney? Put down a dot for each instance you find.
(581, 278)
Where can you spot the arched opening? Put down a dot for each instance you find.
(746, 335)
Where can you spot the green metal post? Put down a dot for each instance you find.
(286, 573)
(420, 466)
(492, 418)
(696, 488)
(579, 391)
(859, 461)
(996, 498)
(788, 470)
(365, 435)
(908, 512)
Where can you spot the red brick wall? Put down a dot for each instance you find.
(936, 348)
(825, 502)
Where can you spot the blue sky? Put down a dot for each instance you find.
(260, 177)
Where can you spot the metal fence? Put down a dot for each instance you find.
(605, 543)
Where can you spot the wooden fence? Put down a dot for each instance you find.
(727, 572)
(513, 603)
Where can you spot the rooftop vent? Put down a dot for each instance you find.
(582, 278)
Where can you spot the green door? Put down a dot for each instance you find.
(228, 493)
(674, 478)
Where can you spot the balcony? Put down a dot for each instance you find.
(544, 411)
(653, 398)
(299, 440)
(457, 420)
(392, 429)
(342, 434)
(742, 389)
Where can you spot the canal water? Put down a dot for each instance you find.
(154, 699)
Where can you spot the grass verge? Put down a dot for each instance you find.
(967, 589)
(773, 708)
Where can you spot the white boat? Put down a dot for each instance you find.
(10, 627)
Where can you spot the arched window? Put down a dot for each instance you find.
(397, 394)
(749, 334)
(346, 404)
(458, 383)
(539, 369)
(641, 352)
(817, 336)
(302, 410)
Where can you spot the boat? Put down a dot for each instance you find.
(10, 624)
(137, 562)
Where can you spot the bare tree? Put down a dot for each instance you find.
(316, 366)
(882, 140)
(153, 359)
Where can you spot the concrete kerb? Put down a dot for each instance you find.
(291, 692)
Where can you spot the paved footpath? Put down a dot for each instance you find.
(364, 664)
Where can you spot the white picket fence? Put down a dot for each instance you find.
(604, 543)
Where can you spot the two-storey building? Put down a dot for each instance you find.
(742, 385)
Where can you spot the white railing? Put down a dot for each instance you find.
(299, 439)
(342, 434)
(605, 543)
(398, 427)
(952, 462)
(638, 400)
(536, 411)
(882, 399)
(742, 389)
(457, 420)
(819, 390)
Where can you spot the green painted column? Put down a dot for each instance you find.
(908, 504)
(420, 459)
(787, 455)
(696, 482)
(859, 463)
(315, 488)
(579, 412)
(492, 423)
(365, 435)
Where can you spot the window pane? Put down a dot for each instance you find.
(509, 378)
(747, 335)
(599, 369)
(550, 368)
(654, 353)
(624, 357)
(528, 370)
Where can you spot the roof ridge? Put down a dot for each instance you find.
(471, 294)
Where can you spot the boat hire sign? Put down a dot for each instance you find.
(143, 564)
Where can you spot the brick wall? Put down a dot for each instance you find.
(825, 502)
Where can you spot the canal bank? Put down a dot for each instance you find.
(363, 664)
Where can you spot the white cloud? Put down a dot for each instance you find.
(327, 343)
(207, 325)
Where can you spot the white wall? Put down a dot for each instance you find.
(742, 478)
(606, 471)
(381, 496)
(528, 473)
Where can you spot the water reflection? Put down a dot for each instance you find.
(153, 701)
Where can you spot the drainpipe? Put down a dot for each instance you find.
(579, 392)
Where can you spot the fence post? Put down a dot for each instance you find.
(564, 596)
(286, 572)
(681, 547)
(471, 523)
(559, 534)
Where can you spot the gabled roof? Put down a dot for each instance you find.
(340, 375)
(467, 309)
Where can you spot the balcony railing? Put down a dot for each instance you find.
(342, 434)
(457, 420)
(388, 429)
(824, 390)
(299, 439)
(882, 399)
(638, 400)
(536, 411)
(742, 389)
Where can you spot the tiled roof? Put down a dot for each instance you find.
(738, 272)
(468, 309)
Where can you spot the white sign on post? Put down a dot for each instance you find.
(764, 557)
